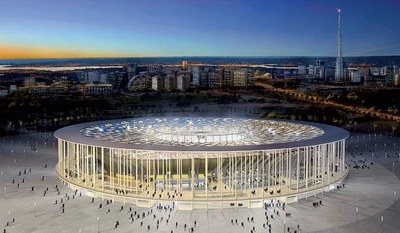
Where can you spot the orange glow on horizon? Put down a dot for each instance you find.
(21, 52)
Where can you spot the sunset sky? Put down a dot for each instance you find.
(125, 28)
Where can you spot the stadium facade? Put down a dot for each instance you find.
(202, 162)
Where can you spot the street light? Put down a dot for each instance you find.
(34, 206)
(356, 213)
(382, 223)
(98, 224)
(284, 225)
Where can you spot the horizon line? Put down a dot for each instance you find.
(194, 56)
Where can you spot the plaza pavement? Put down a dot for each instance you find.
(371, 190)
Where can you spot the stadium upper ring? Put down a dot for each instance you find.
(201, 133)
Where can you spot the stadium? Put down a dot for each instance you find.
(202, 162)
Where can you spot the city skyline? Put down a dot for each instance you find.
(48, 29)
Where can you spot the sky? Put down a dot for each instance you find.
(142, 28)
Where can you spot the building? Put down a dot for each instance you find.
(311, 71)
(203, 160)
(214, 79)
(240, 78)
(103, 78)
(96, 89)
(3, 93)
(204, 78)
(329, 73)
(302, 70)
(389, 79)
(93, 76)
(184, 65)
(378, 71)
(29, 82)
(155, 69)
(170, 83)
(13, 88)
(227, 78)
(396, 80)
(364, 72)
(46, 89)
(355, 76)
(157, 83)
(378, 75)
(196, 76)
(320, 69)
(140, 83)
(182, 82)
(132, 70)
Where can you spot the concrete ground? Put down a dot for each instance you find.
(373, 192)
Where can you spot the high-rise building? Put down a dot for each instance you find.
(214, 79)
(396, 79)
(131, 69)
(355, 76)
(157, 83)
(196, 76)
(389, 79)
(311, 71)
(320, 69)
(228, 78)
(182, 82)
(204, 78)
(170, 83)
(184, 65)
(240, 78)
(329, 73)
(339, 53)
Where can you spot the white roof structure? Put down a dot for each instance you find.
(201, 134)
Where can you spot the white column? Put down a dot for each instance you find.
(306, 169)
(298, 169)
(206, 175)
(136, 173)
(192, 173)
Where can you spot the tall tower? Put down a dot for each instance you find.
(339, 53)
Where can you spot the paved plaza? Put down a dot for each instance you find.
(371, 191)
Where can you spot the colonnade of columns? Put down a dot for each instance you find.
(181, 175)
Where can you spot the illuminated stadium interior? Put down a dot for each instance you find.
(189, 131)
